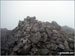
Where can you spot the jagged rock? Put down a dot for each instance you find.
(33, 37)
(56, 25)
(61, 46)
(35, 27)
(26, 48)
(66, 46)
(71, 45)
(49, 32)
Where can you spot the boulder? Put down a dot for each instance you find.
(56, 25)
(35, 38)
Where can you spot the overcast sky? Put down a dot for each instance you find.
(60, 11)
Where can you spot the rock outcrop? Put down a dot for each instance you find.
(33, 37)
(7, 40)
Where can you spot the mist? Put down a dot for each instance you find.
(60, 11)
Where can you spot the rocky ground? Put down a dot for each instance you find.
(33, 37)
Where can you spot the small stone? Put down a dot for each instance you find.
(61, 46)
(44, 51)
(42, 29)
(49, 32)
(34, 50)
(23, 40)
(44, 37)
(48, 45)
(55, 31)
(53, 46)
(28, 29)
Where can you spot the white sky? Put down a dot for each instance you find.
(60, 11)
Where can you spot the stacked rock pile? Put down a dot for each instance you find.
(33, 37)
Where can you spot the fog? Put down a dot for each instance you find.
(60, 11)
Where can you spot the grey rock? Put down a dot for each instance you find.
(61, 46)
(36, 37)
(53, 46)
(48, 32)
(44, 36)
(33, 37)
(35, 28)
(66, 46)
(44, 51)
(34, 50)
(56, 25)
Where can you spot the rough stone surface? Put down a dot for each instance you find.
(33, 37)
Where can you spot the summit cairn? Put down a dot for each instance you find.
(34, 37)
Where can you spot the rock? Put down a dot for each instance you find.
(49, 32)
(44, 25)
(53, 46)
(28, 29)
(61, 46)
(16, 48)
(34, 17)
(30, 19)
(66, 46)
(26, 48)
(48, 45)
(68, 30)
(48, 25)
(20, 23)
(23, 40)
(56, 25)
(18, 34)
(55, 31)
(34, 50)
(42, 29)
(71, 44)
(35, 28)
(36, 37)
(44, 36)
(33, 37)
(44, 51)
(7, 40)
